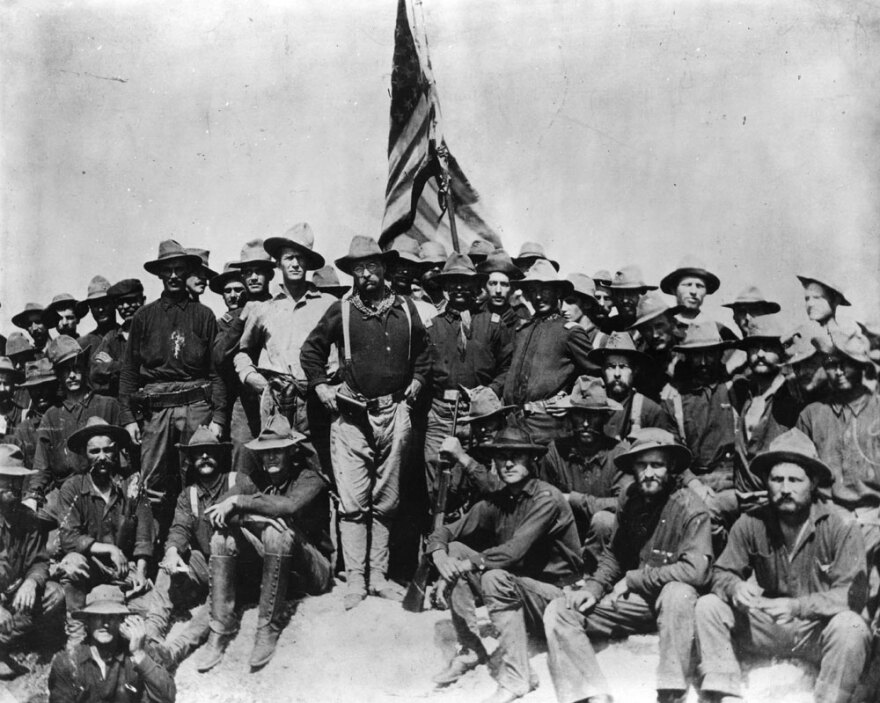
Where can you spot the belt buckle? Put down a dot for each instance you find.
(450, 395)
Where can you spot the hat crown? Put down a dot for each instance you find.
(63, 298)
(11, 457)
(852, 343)
(650, 304)
(203, 254)
(689, 261)
(170, 249)
(499, 261)
(459, 265)
(302, 234)
(511, 435)
(230, 267)
(618, 341)
(203, 436)
(362, 247)
(6, 365)
(325, 276)
(531, 249)
(704, 332)
(105, 594)
(542, 270)
(749, 294)
(127, 286)
(484, 401)
(648, 438)
(766, 326)
(98, 287)
(17, 343)
(799, 343)
(583, 284)
(589, 391)
(38, 369)
(62, 348)
(405, 244)
(628, 276)
(253, 251)
(795, 442)
(95, 421)
(278, 428)
(433, 250)
(602, 275)
(481, 247)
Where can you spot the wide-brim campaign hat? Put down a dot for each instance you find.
(794, 447)
(764, 328)
(460, 266)
(61, 302)
(649, 438)
(125, 287)
(510, 439)
(532, 250)
(254, 253)
(103, 600)
(203, 440)
(798, 343)
(204, 255)
(751, 296)
(301, 239)
(849, 343)
(432, 253)
(702, 335)
(618, 343)
(499, 261)
(361, 248)
(97, 427)
(629, 278)
(65, 348)
(542, 273)
(277, 434)
(171, 250)
(690, 266)
(12, 462)
(325, 279)
(407, 249)
(825, 283)
(6, 366)
(97, 291)
(480, 250)
(484, 403)
(602, 278)
(30, 310)
(230, 273)
(17, 345)
(651, 306)
(583, 286)
(38, 372)
(588, 393)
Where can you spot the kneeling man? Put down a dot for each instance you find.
(808, 558)
(647, 578)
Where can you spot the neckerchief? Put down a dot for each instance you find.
(381, 308)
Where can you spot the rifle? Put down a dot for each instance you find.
(414, 600)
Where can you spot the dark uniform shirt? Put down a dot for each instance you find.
(191, 530)
(106, 364)
(621, 423)
(75, 677)
(388, 351)
(549, 354)
(22, 550)
(170, 341)
(53, 461)
(825, 574)
(10, 421)
(512, 316)
(532, 534)
(655, 544)
(84, 518)
(25, 437)
(487, 353)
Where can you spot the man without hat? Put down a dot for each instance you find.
(808, 563)
(41, 385)
(549, 354)
(501, 273)
(581, 465)
(105, 526)
(649, 577)
(627, 287)
(127, 297)
(469, 348)
(168, 384)
(28, 599)
(100, 304)
(183, 577)
(31, 321)
(281, 513)
(54, 463)
(64, 313)
(115, 653)
(11, 413)
(514, 550)
(386, 361)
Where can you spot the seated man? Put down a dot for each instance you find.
(534, 552)
(647, 578)
(582, 465)
(182, 580)
(27, 596)
(106, 535)
(809, 566)
(114, 654)
(281, 513)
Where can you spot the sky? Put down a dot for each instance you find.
(632, 132)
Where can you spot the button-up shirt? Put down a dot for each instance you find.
(53, 461)
(532, 533)
(824, 573)
(487, 353)
(655, 544)
(85, 518)
(22, 550)
(170, 342)
(549, 354)
(75, 676)
(106, 363)
(847, 437)
(621, 422)
(192, 531)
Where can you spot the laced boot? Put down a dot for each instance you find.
(270, 621)
(222, 598)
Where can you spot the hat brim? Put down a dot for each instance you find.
(757, 338)
(489, 450)
(155, 265)
(464, 420)
(612, 406)
(565, 287)
(760, 466)
(767, 307)
(512, 272)
(682, 456)
(312, 260)
(841, 298)
(202, 446)
(258, 445)
(334, 290)
(16, 471)
(346, 263)
(476, 277)
(77, 441)
(38, 381)
(102, 608)
(50, 314)
(597, 356)
(265, 263)
(669, 312)
(20, 320)
(217, 283)
(529, 257)
(702, 346)
(73, 356)
(631, 286)
(669, 282)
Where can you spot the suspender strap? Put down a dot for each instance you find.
(679, 414)
(346, 329)
(635, 414)
(194, 496)
(406, 309)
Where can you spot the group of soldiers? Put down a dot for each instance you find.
(605, 459)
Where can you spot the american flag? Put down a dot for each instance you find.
(412, 197)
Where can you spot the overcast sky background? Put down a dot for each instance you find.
(625, 132)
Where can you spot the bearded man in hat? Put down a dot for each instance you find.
(386, 362)
(549, 354)
(648, 578)
(64, 313)
(127, 297)
(105, 527)
(655, 329)
(806, 378)
(749, 305)
(100, 304)
(168, 384)
(31, 321)
(627, 287)
(11, 413)
(281, 513)
(28, 599)
(709, 411)
(469, 348)
(41, 385)
(501, 273)
(115, 653)
(808, 562)
(621, 364)
(184, 576)
(582, 466)
(53, 461)
(514, 550)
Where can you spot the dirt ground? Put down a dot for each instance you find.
(378, 653)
